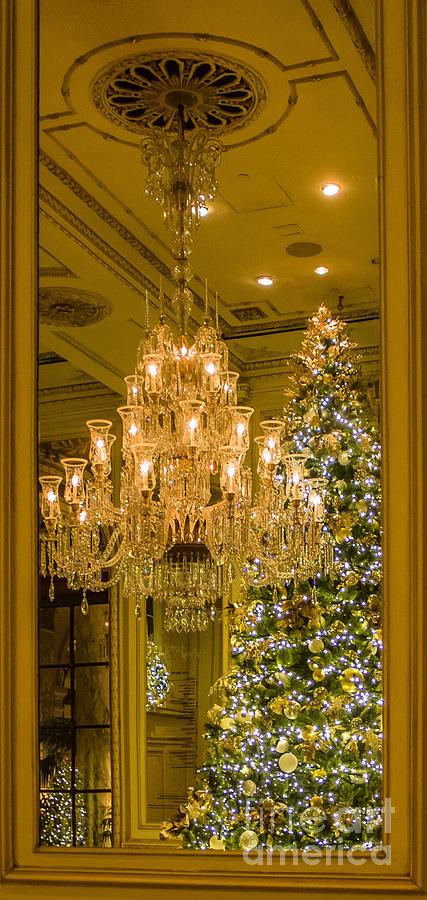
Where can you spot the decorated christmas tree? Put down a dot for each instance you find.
(295, 736)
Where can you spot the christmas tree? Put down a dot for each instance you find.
(294, 740)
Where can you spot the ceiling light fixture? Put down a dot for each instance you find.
(330, 189)
(321, 270)
(184, 524)
(265, 280)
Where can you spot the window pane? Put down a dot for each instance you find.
(91, 695)
(55, 696)
(93, 763)
(93, 820)
(91, 634)
(54, 636)
(56, 820)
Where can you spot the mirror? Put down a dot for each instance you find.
(295, 113)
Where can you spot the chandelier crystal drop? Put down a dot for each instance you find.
(184, 525)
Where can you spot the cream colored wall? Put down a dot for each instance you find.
(94, 874)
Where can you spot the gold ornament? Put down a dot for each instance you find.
(312, 819)
(194, 809)
(316, 645)
(362, 506)
(245, 770)
(248, 840)
(319, 697)
(315, 663)
(344, 458)
(316, 801)
(288, 763)
(215, 713)
(283, 678)
(249, 788)
(276, 705)
(351, 578)
(226, 722)
(217, 843)
(319, 675)
(292, 709)
(351, 680)
(282, 745)
(319, 773)
(309, 732)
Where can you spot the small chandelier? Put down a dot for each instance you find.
(184, 525)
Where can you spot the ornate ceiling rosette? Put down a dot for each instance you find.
(71, 307)
(142, 92)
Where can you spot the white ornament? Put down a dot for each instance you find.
(288, 763)
(248, 840)
(282, 745)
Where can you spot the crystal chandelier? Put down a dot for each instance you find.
(184, 525)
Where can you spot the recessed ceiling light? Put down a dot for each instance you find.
(321, 270)
(330, 188)
(265, 280)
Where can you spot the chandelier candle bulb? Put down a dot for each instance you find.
(230, 476)
(100, 446)
(135, 390)
(192, 423)
(145, 479)
(133, 426)
(229, 388)
(239, 438)
(74, 492)
(211, 372)
(153, 373)
(50, 498)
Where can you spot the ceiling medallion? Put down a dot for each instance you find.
(71, 308)
(141, 92)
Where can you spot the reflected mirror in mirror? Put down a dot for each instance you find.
(210, 552)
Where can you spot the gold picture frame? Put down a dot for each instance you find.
(31, 871)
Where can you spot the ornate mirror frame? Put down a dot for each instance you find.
(28, 870)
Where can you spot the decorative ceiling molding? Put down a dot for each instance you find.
(357, 34)
(90, 201)
(83, 388)
(141, 92)
(292, 323)
(368, 356)
(204, 39)
(350, 84)
(51, 452)
(248, 313)
(71, 307)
